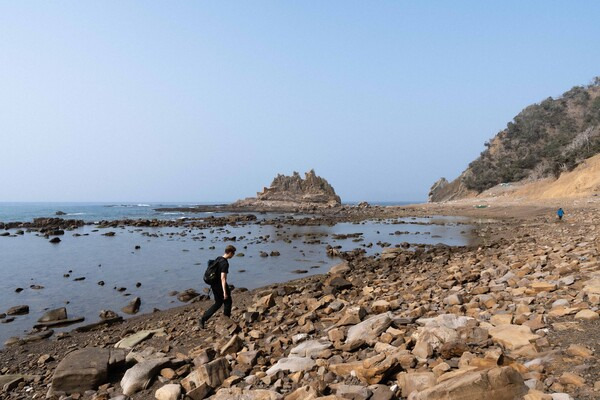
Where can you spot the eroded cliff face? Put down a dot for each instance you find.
(442, 190)
(294, 192)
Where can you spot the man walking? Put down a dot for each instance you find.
(220, 288)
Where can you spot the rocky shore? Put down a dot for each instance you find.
(515, 317)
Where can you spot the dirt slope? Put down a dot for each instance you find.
(583, 181)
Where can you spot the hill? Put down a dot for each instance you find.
(542, 142)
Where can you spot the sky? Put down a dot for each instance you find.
(208, 101)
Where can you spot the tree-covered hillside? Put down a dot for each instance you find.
(543, 140)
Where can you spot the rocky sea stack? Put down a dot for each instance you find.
(293, 192)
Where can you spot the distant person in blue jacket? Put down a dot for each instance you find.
(560, 213)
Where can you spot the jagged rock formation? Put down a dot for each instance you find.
(543, 141)
(289, 192)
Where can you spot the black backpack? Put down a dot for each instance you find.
(212, 272)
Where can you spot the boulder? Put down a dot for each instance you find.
(415, 381)
(234, 345)
(168, 392)
(340, 269)
(267, 301)
(450, 321)
(338, 283)
(587, 315)
(81, 370)
(351, 392)
(54, 315)
(502, 383)
(133, 307)
(352, 316)
(212, 374)
(140, 375)
(18, 310)
(380, 306)
(187, 295)
(369, 330)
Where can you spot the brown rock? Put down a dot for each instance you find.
(503, 383)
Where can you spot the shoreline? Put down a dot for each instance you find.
(513, 226)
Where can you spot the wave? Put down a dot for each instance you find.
(143, 205)
(172, 213)
(79, 213)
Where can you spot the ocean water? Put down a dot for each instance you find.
(90, 212)
(174, 259)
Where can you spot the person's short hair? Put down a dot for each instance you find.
(230, 249)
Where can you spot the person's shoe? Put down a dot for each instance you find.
(201, 324)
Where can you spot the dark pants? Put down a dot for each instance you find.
(217, 290)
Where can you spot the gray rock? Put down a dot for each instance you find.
(352, 392)
(81, 370)
(292, 364)
(311, 348)
(187, 295)
(54, 315)
(369, 330)
(108, 314)
(34, 337)
(140, 375)
(339, 283)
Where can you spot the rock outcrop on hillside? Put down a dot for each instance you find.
(442, 190)
(293, 192)
(544, 140)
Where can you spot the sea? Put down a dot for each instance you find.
(153, 263)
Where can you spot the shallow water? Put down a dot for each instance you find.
(174, 259)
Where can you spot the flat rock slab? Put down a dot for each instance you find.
(81, 370)
(450, 321)
(311, 348)
(130, 341)
(292, 364)
(494, 384)
(35, 337)
(99, 324)
(62, 322)
(512, 337)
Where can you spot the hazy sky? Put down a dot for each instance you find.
(208, 101)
